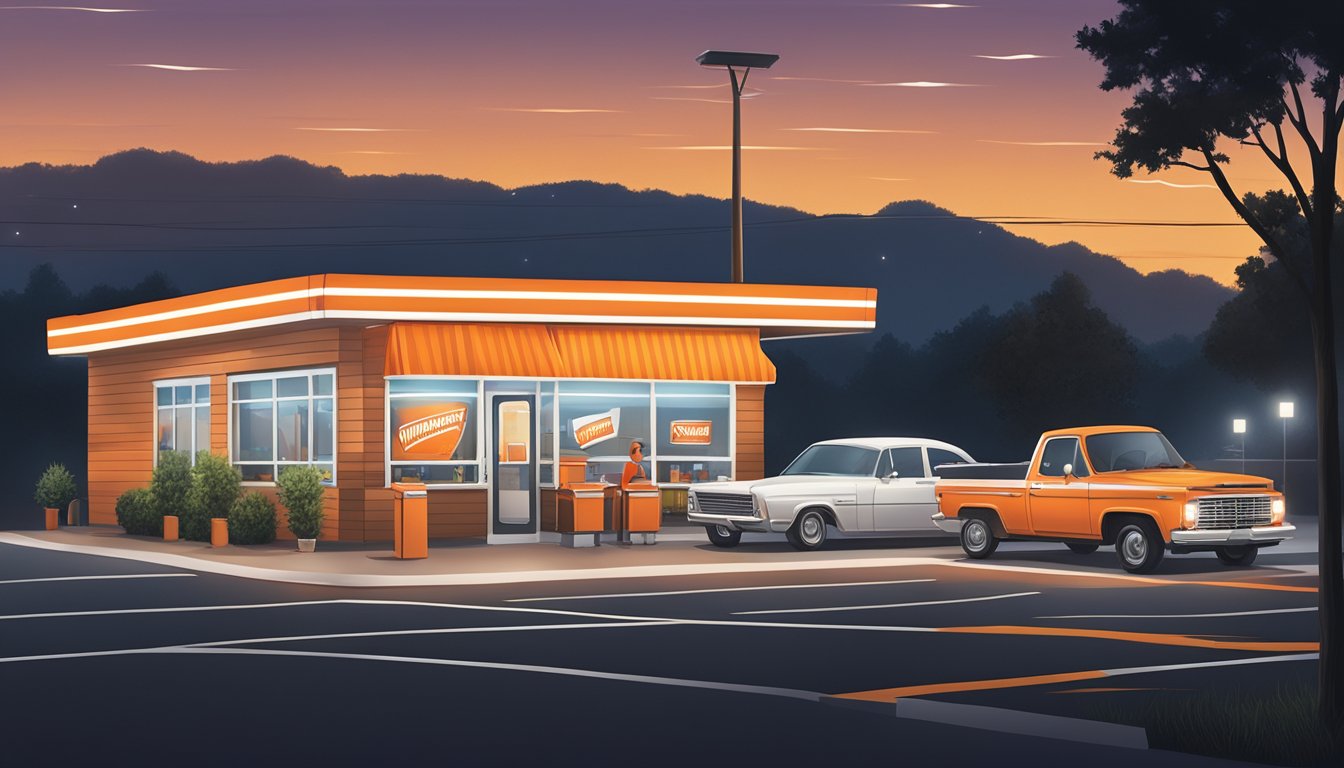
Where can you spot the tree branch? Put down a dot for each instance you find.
(1184, 164)
(1300, 123)
(1280, 161)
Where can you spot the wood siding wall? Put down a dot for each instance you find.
(750, 432)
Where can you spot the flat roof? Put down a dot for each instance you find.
(778, 311)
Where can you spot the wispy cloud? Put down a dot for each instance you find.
(694, 87)
(658, 135)
(182, 68)
(1171, 184)
(854, 130)
(552, 110)
(1045, 143)
(1013, 56)
(77, 8)
(934, 6)
(822, 80)
(356, 130)
(721, 147)
(921, 84)
(888, 178)
(370, 152)
(688, 98)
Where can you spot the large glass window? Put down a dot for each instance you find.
(694, 432)
(182, 416)
(283, 419)
(433, 431)
(1122, 451)
(598, 420)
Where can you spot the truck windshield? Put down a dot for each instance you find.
(834, 460)
(1124, 451)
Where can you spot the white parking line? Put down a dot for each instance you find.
(721, 589)
(434, 631)
(887, 605)
(100, 578)
(1180, 615)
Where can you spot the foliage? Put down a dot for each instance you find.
(215, 486)
(301, 493)
(56, 488)
(252, 520)
(171, 482)
(138, 513)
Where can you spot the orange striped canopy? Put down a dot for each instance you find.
(577, 352)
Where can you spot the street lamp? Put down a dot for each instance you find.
(1285, 413)
(1239, 428)
(734, 61)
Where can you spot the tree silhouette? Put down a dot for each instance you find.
(1206, 72)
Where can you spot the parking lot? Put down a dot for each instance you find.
(143, 662)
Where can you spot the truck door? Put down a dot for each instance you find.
(1057, 505)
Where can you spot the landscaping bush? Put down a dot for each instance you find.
(171, 483)
(301, 494)
(138, 513)
(215, 486)
(56, 488)
(252, 520)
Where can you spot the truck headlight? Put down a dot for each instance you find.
(1190, 514)
(1277, 509)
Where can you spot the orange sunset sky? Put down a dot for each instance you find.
(518, 92)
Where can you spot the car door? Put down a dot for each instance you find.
(903, 501)
(1058, 504)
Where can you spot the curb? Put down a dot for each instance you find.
(1012, 721)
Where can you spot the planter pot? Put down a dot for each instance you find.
(53, 518)
(219, 531)
(170, 528)
(307, 545)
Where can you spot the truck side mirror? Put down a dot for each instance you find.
(1068, 470)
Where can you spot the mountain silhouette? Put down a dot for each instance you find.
(209, 225)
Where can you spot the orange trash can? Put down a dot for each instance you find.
(170, 527)
(410, 521)
(643, 508)
(219, 531)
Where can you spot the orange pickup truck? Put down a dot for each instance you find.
(1125, 486)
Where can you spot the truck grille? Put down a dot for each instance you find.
(1233, 511)
(724, 503)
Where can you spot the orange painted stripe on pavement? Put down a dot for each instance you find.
(1251, 585)
(1148, 638)
(891, 694)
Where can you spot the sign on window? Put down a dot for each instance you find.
(428, 432)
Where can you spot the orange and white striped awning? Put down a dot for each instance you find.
(578, 352)
(777, 311)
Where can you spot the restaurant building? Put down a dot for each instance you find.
(492, 392)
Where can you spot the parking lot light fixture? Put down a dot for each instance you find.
(1239, 428)
(1285, 413)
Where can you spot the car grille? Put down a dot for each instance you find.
(1233, 511)
(724, 503)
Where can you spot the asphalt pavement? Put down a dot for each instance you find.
(122, 662)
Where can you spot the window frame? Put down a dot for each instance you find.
(188, 381)
(478, 463)
(1079, 459)
(275, 399)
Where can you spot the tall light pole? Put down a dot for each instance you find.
(1285, 413)
(735, 61)
(1239, 428)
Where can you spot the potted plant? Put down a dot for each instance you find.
(215, 486)
(55, 490)
(301, 493)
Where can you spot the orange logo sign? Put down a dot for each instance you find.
(429, 432)
(591, 430)
(688, 432)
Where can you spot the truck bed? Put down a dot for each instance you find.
(983, 471)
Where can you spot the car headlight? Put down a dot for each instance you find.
(757, 506)
(690, 502)
(1277, 510)
(1190, 514)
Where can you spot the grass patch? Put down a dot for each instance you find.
(1276, 726)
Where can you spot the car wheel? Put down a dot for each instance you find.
(977, 539)
(723, 536)
(1082, 548)
(1139, 547)
(808, 531)
(1242, 556)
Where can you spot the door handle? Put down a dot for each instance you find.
(1037, 486)
(925, 482)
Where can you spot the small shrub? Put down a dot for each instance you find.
(252, 520)
(301, 494)
(171, 483)
(56, 488)
(138, 513)
(215, 486)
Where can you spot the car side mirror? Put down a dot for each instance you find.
(892, 475)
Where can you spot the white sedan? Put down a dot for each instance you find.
(874, 485)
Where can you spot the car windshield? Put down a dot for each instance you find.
(834, 460)
(1124, 451)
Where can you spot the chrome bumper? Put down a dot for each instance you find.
(946, 524)
(736, 522)
(1233, 536)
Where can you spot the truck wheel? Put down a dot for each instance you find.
(808, 531)
(1140, 547)
(1082, 549)
(1242, 556)
(977, 539)
(723, 536)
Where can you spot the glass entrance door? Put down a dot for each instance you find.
(513, 465)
